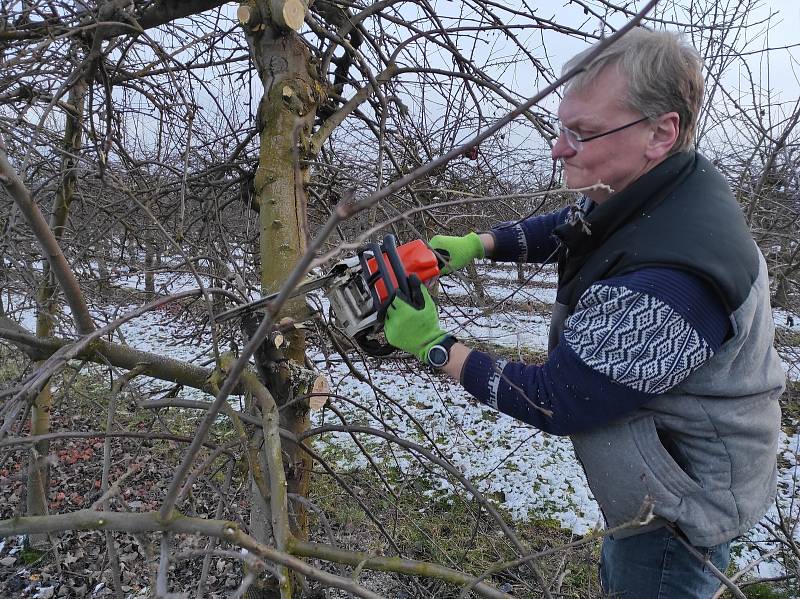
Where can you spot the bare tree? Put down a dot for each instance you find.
(148, 170)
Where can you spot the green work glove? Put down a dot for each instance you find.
(457, 251)
(412, 323)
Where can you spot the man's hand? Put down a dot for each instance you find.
(458, 251)
(412, 323)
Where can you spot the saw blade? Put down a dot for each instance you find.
(263, 301)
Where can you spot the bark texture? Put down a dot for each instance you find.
(286, 114)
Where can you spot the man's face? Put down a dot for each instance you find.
(616, 159)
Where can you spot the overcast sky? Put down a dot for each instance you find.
(784, 65)
(777, 70)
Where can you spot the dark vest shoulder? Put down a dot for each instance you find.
(681, 215)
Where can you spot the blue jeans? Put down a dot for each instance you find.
(656, 565)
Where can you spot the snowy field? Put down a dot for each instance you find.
(533, 475)
(536, 474)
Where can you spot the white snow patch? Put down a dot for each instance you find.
(163, 281)
(785, 319)
(788, 501)
(45, 593)
(790, 360)
(500, 293)
(509, 329)
(535, 474)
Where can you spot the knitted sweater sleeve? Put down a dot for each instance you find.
(530, 240)
(630, 339)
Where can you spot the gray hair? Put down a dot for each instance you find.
(664, 74)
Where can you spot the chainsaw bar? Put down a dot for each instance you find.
(263, 301)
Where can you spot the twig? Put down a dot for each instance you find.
(44, 235)
(212, 544)
(109, 492)
(392, 564)
(745, 570)
(644, 517)
(734, 590)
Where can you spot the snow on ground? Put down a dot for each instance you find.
(501, 283)
(518, 292)
(155, 331)
(545, 274)
(507, 329)
(790, 357)
(785, 319)
(789, 502)
(164, 281)
(789, 322)
(533, 474)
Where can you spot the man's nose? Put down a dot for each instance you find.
(561, 149)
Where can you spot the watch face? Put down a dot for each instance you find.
(437, 356)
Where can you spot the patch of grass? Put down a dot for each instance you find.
(790, 403)
(784, 336)
(763, 591)
(430, 524)
(31, 556)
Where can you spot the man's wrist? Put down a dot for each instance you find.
(459, 354)
(488, 243)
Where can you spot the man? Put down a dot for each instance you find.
(661, 365)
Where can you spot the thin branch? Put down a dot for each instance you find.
(44, 235)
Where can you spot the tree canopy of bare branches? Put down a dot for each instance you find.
(163, 161)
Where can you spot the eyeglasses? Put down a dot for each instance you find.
(576, 143)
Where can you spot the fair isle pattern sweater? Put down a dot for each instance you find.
(631, 338)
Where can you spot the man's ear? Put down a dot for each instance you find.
(664, 134)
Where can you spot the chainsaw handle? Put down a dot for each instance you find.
(391, 276)
(390, 247)
(381, 272)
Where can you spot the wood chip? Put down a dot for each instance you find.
(321, 385)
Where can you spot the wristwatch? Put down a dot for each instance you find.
(439, 354)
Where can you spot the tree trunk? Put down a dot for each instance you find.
(781, 297)
(38, 470)
(477, 284)
(285, 117)
(103, 249)
(149, 265)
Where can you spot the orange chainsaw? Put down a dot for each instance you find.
(361, 287)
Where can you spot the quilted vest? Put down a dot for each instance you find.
(705, 451)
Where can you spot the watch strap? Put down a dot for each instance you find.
(447, 342)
